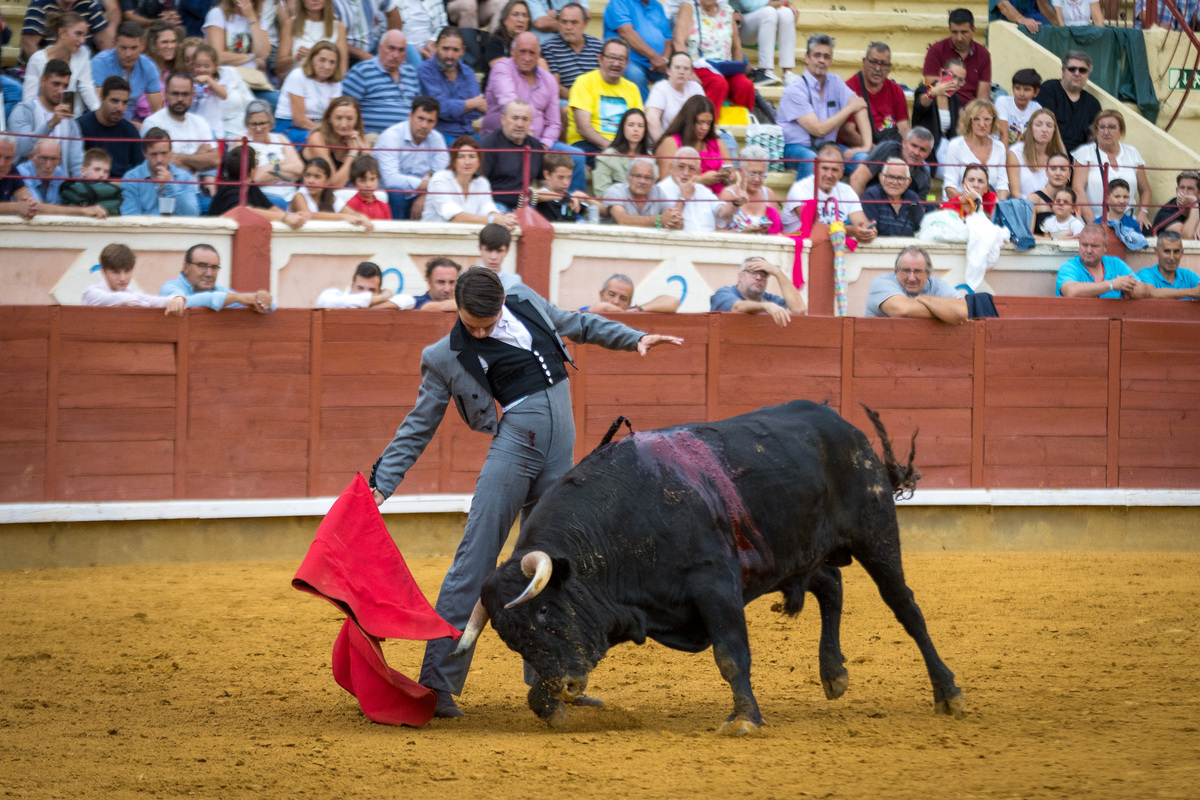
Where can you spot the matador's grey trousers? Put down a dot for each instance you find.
(533, 448)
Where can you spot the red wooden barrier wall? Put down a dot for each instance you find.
(126, 404)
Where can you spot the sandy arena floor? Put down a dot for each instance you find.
(1080, 673)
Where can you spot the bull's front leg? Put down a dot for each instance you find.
(725, 619)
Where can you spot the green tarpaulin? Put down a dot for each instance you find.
(1118, 61)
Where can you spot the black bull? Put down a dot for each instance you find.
(668, 534)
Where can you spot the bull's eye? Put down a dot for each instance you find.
(542, 612)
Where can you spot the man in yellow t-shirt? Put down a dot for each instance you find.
(599, 99)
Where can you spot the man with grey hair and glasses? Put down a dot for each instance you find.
(911, 291)
(638, 201)
(894, 208)
(616, 295)
(915, 148)
(750, 295)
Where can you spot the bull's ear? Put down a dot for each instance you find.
(561, 572)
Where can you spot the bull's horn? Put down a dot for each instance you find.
(537, 567)
(479, 618)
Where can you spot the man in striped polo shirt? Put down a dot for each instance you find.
(384, 86)
(572, 52)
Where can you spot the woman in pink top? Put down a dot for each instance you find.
(695, 126)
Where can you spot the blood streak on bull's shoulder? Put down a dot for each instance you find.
(697, 465)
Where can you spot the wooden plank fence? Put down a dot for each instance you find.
(126, 404)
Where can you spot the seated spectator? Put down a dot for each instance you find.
(1028, 159)
(887, 107)
(315, 197)
(38, 29)
(699, 206)
(494, 241)
(93, 188)
(47, 115)
(15, 199)
(221, 93)
(314, 23)
(571, 52)
(364, 22)
(101, 127)
(770, 24)
(161, 44)
(911, 291)
(279, 165)
(235, 29)
(229, 193)
(307, 92)
(421, 21)
(1058, 177)
(44, 177)
(936, 107)
(520, 78)
(553, 199)
(599, 99)
(815, 108)
(514, 20)
(148, 12)
(446, 79)
(339, 139)
(364, 174)
(750, 295)
(617, 293)
(409, 153)
(695, 127)
(1064, 223)
(1032, 14)
(643, 26)
(193, 143)
(441, 276)
(975, 145)
(639, 202)
(612, 166)
(116, 269)
(1182, 213)
(833, 200)
(504, 166)
(1117, 217)
(1093, 274)
(1166, 278)
(667, 97)
(1014, 111)
(706, 31)
(1074, 107)
(1074, 13)
(961, 46)
(198, 283)
(755, 207)
(175, 192)
(895, 209)
(461, 193)
(974, 193)
(127, 62)
(913, 151)
(385, 85)
(1165, 19)
(365, 291)
(1123, 160)
(70, 35)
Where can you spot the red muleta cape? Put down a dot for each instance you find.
(354, 564)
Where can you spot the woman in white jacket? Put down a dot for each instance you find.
(70, 32)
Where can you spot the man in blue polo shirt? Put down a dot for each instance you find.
(643, 25)
(384, 86)
(1093, 274)
(1167, 279)
(750, 295)
(126, 61)
(198, 283)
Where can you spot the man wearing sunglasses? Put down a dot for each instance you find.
(1074, 107)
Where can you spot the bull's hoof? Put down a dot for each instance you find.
(951, 706)
(837, 687)
(739, 726)
(558, 717)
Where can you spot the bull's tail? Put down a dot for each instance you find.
(903, 479)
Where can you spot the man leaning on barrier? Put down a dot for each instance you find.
(750, 295)
(911, 291)
(198, 283)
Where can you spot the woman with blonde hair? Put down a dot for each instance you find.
(234, 28)
(977, 125)
(308, 91)
(1027, 158)
(314, 23)
(339, 139)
